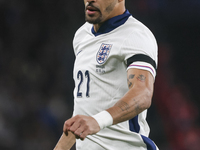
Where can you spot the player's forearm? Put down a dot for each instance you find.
(133, 103)
(136, 100)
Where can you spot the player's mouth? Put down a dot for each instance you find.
(90, 10)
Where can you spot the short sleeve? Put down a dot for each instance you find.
(140, 50)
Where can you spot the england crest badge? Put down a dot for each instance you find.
(103, 53)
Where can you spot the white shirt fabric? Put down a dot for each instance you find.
(100, 75)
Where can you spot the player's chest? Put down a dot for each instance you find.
(97, 54)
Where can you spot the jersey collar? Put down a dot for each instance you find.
(112, 23)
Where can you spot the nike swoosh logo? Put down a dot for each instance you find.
(79, 52)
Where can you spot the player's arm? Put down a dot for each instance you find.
(66, 141)
(137, 99)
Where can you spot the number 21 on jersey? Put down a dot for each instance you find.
(81, 76)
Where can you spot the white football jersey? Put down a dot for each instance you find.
(100, 75)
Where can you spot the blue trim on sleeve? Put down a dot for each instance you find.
(134, 125)
(149, 143)
(112, 23)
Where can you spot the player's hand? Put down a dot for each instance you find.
(81, 126)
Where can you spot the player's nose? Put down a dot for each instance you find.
(89, 1)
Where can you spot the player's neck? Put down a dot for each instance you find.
(97, 26)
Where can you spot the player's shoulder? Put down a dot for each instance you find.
(81, 33)
(138, 34)
(136, 27)
(138, 40)
(85, 28)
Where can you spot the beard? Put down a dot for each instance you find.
(94, 19)
(98, 17)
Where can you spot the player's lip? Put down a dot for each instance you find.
(91, 10)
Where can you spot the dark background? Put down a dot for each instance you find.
(36, 65)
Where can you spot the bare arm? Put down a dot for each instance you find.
(137, 99)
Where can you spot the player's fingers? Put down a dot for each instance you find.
(65, 129)
(77, 137)
(79, 131)
(84, 134)
(68, 123)
(75, 126)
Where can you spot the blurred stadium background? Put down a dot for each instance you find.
(36, 63)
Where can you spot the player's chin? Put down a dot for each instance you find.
(93, 20)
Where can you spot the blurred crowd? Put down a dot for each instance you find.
(36, 66)
(36, 73)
